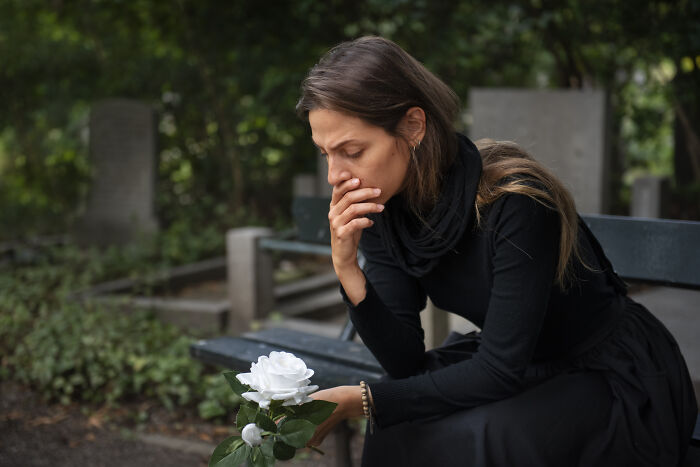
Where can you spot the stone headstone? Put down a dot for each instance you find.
(313, 184)
(563, 129)
(123, 148)
(305, 185)
(650, 195)
(249, 271)
(323, 188)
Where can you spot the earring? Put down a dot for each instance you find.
(413, 150)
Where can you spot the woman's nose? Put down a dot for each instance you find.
(336, 172)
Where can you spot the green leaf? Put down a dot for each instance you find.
(283, 451)
(235, 445)
(231, 452)
(265, 422)
(246, 415)
(258, 459)
(223, 449)
(267, 450)
(282, 411)
(276, 407)
(266, 447)
(297, 433)
(237, 387)
(315, 411)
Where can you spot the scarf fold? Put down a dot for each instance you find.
(417, 248)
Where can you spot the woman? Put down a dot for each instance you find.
(567, 369)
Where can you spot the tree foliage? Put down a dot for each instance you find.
(224, 77)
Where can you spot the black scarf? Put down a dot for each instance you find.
(417, 248)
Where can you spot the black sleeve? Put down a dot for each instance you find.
(389, 326)
(525, 237)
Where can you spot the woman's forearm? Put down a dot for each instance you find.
(353, 282)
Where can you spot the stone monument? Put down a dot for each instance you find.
(566, 130)
(650, 196)
(123, 145)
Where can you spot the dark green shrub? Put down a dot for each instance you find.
(71, 350)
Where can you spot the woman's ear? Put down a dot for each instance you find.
(413, 125)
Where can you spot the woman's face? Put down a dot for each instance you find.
(357, 149)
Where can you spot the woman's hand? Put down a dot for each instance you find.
(346, 217)
(349, 400)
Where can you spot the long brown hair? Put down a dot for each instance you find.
(374, 79)
(508, 168)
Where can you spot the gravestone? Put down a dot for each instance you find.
(249, 271)
(322, 186)
(566, 130)
(305, 185)
(123, 146)
(650, 196)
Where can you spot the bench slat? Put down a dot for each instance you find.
(238, 353)
(341, 352)
(662, 251)
(294, 246)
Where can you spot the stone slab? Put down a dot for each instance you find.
(650, 196)
(566, 130)
(121, 200)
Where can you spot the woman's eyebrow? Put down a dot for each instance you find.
(337, 145)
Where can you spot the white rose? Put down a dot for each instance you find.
(281, 376)
(252, 435)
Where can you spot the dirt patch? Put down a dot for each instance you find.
(34, 433)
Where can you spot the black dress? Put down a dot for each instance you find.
(583, 376)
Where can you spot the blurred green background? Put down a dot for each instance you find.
(224, 77)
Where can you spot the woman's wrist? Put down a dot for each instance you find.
(345, 267)
(353, 280)
(353, 402)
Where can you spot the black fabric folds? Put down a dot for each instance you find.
(628, 401)
(415, 247)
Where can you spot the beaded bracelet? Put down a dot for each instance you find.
(367, 408)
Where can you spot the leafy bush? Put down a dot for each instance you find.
(89, 354)
(71, 350)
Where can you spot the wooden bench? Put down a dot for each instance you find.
(663, 252)
(653, 251)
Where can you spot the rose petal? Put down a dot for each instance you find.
(279, 376)
(284, 395)
(296, 401)
(246, 378)
(255, 397)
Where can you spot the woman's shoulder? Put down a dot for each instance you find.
(522, 209)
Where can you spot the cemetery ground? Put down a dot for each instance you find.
(46, 339)
(34, 433)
